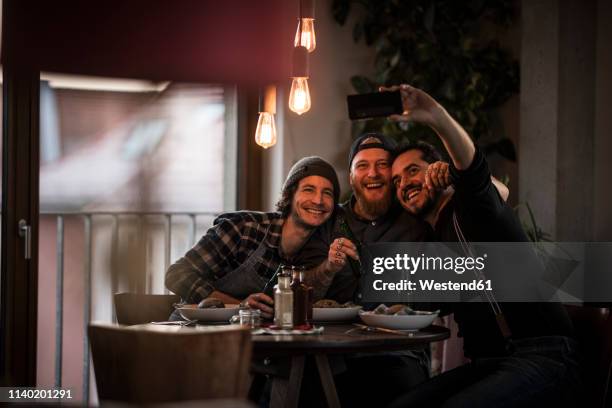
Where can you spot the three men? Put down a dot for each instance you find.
(239, 255)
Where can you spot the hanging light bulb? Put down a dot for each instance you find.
(265, 134)
(305, 34)
(299, 97)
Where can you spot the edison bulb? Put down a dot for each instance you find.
(307, 38)
(299, 98)
(265, 134)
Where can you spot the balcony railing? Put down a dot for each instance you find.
(175, 232)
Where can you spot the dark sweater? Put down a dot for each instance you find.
(485, 217)
(395, 226)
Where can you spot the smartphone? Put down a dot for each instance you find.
(375, 104)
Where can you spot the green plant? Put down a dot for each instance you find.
(530, 226)
(444, 47)
(557, 262)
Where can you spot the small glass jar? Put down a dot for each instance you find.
(250, 318)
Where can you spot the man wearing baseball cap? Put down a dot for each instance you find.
(370, 215)
(240, 253)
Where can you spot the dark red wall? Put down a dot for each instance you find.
(183, 40)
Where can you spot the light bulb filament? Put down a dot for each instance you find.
(265, 134)
(305, 34)
(299, 98)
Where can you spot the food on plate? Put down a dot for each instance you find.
(396, 309)
(400, 310)
(326, 303)
(211, 303)
(329, 304)
(380, 309)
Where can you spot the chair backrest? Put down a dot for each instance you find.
(162, 363)
(593, 326)
(133, 308)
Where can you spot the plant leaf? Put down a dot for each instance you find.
(504, 147)
(357, 32)
(429, 17)
(395, 59)
(357, 127)
(362, 84)
(340, 10)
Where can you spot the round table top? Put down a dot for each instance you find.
(346, 338)
(336, 338)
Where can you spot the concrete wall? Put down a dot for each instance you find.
(576, 116)
(602, 199)
(565, 117)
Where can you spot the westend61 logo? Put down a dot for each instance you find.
(413, 264)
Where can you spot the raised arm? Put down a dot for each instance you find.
(422, 108)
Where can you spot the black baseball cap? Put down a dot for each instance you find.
(372, 140)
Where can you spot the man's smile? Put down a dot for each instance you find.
(316, 211)
(373, 185)
(411, 193)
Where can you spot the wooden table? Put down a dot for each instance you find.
(336, 339)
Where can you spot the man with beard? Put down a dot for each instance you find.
(521, 356)
(370, 215)
(239, 255)
(436, 183)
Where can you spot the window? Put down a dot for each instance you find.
(132, 172)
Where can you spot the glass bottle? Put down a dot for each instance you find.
(300, 297)
(310, 291)
(283, 300)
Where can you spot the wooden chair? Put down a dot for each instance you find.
(133, 308)
(593, 326)
(168, 364)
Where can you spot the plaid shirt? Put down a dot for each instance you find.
(227, 244)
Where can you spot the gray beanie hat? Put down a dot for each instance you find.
(312, 166)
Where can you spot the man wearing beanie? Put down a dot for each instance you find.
(240, 253)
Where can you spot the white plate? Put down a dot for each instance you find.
(398, 322)
(334, 314)
(191, 312)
